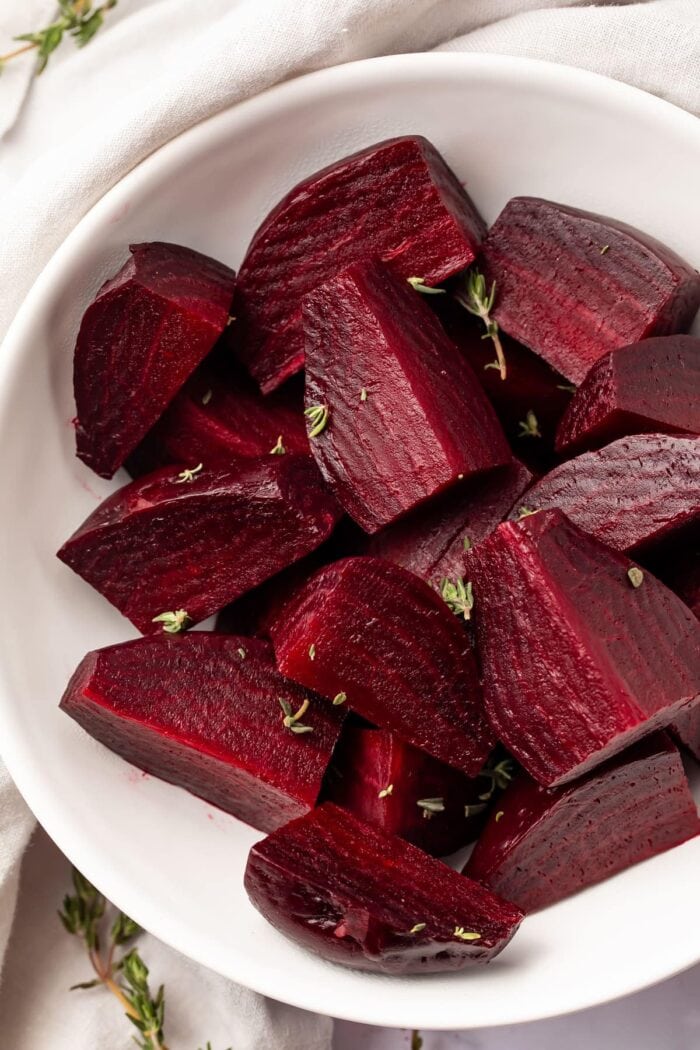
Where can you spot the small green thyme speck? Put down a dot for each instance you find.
(635, 576)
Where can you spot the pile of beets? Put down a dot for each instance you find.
(437, 558)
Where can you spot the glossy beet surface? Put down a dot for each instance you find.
(407, 417)
(630, 494)
(432, 541)
(396, 200)
(202, 711)
(571, 650)
(218, 418)
(384, 639)
(572, 285)
(147, 330)
(164, 543)
(405, 791)
(540, 846)
(653, 386)
(357, 896)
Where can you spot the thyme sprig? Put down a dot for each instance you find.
(80, 19)
(173, 621)
(499, 774)
(479, 300)
(431, 806)
(317, 416)
(291, 720)
(278, 449)
(459, 596)
(529, 427)
(189, 474)
(420, 286)
(466, 935)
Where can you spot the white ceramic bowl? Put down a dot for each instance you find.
(508, 127)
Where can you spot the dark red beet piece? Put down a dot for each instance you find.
(216, 419)
(147, 330)
(203, 711)
(357, 896)
(405, 791)
(407, 417)
(382, 638)
(172, 542)
(572, 285)
(653, 386)
(431, 542)
(630, 494)
(571, 646)
(541, 846)
(396, 200)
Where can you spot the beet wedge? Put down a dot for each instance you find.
(139, 340)
(431, 542)
(571, 637)
(406, 417)
(406, 792)
(631, 494)
(572, 285)
(203, 711)
(540, 846)
(649, 387)
(396, 200)
(369, 634)
(357, 896)
(188, 542)
(218, 419)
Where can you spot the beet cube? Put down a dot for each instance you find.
(371, 634)
(191, 541)
(572, 285)
(203, 711)
(406, 415)
(147, 330)
(571, 637)
(405, 791)
(653, 386)
(541, 845)
(631, 494)
(396, 200)
(357, 896)
(432, 541)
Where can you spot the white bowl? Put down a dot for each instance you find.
(173, 862)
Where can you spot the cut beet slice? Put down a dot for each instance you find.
(216, 419)
(368, 633)
(630, 494)
(203, 711)
(147, 330)
(355, 895)
(405, 791)
(406, 415)
(431, 542)
(540, 846)
(396, 200)
(653, 386)
(571, 638)
(191, 542)
(572, 285)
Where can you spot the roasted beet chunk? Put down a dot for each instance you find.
(217, 419)
(203, 711)
(572, 285)
(406, 416)
(355, 895)
(189, 541)
(433, 539)
(571, 637)
(653, 386)
(397, 201)
(369, 634)
(405, 791)
(630, 494)
(147, 330)
(540, 846)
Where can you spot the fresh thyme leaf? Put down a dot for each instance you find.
(498, 815)
(173, 622)
(529, 427)
(466, 544)
(339, 699)
(85, 985)
(189, 474)
(605, 249)
(293, 721)
(242, 653)
(458, 596)
(420, 286)
(525, 512)
(318, 418)
(279, 449)
(363, 394)
(388, 790)
(418, 927)
(466, 935)
(635, 576)
(499, 775)
(431, 806)
(312, 651)
(479, 301)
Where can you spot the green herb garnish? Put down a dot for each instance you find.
(312, 652)
(635, 576)
(339, 699)
(499, 775)
(478, 301)
(363, 394)
(420, 286)
(292, 721)
(189, 474)
(318, 418)
(431, 806)
(529, 427)
(418, 927)
(385, 792)
(466, 544)
(278, 449)
(80, 19)
(173, 622)
(466, 935)
(458, 596)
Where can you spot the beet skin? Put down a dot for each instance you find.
(202, 711)
(540, 846)
(579, 658)
(194, 541)
(357, 896)
(383, 640)
(147, 330)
